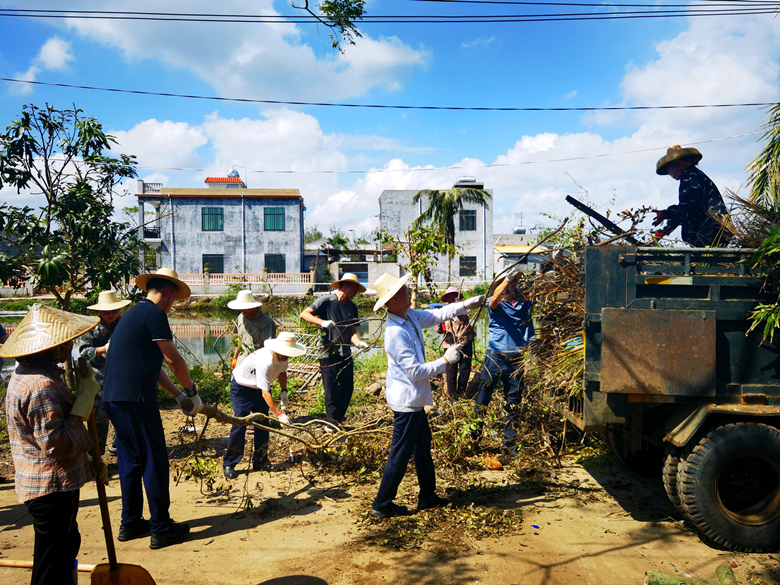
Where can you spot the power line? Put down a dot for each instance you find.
(384, 106)
(452, 168)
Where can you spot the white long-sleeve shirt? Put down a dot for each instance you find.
(260, 369)
(408, 387)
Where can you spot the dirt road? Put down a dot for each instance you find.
(600, 525)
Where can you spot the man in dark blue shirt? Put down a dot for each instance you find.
(699, 200)
(139, 344)
(511, 328)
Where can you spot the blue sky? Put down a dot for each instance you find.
(552, 64)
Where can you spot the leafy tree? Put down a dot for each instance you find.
(312, 234)
(337, 242)
(443, 207)
(72, 244)
(421, 249)
(339, 16)
(764, 170)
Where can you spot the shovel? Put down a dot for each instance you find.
(112, 573)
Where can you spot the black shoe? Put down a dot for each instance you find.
(389, 511)
(264, 465)
(174, 535)
(230, 472)
(435, 502)
(133, 530)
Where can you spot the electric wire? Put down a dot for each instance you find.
(386, 106)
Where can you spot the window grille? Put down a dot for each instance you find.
(274, 219)
(212, 220)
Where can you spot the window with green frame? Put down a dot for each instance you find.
(211, 219)
(274, 219)
(275, 263)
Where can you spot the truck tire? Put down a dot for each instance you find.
(671, 466)
(729, 486)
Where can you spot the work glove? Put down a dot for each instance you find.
(659, 217)
(101, 473)
(658, 234)
(234, 362)
(189, 405)
(474, 302)
(361, 344)
(328, 324)
(105, 347)
(452, 354)
(284, 419)
(86, 390)
(512, 274)
(284, 400)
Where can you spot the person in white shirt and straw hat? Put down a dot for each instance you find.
(254, 326)
(250, 391)
(337, 316)
(48, 439)
(139, 344)
(93, 348)
(409, 391)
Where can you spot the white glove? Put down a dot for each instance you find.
(361, 344)
(284, 419)
(474, 302)
(284, 400)
(189, 406)
(328, 324)
(452, 354)
(105, 348)
(86, 390)
(511, 274)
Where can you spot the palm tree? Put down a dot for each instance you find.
(443, 206)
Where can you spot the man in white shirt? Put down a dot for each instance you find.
(409, 391)
(250, 391)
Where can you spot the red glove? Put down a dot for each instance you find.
(658, 234)
(234, 362)
(659, 217)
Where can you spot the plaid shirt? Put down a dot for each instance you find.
(48, 447)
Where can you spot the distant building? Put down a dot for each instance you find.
(224, 228)
(509, 248)
(473, 231)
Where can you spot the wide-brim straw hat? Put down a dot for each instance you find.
(674, 153)
(108, 300)
(244, 300)
(44, 328)
(450, 291)
(285, 344)
(386, 286)
(166, 274)
(349, 277)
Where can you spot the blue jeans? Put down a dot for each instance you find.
(142, 458)
(507, 369)
(411, 436)
(246, 401)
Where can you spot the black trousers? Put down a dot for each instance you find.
(339, 383)
(459, 372)
(246, 401)
(57, 538)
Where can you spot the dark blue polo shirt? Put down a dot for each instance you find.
(134, 359)
(510, 326)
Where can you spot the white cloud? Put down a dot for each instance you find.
(481, 42)
(571, 94)
(55, 55)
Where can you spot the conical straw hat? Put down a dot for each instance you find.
(108, 300)
(285, 344)
(43, 328)
(166, 274)
(692, 155)
(386, 286)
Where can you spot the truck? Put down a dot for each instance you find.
(671, 364)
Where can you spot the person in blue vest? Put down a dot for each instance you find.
(139, 344)
(511, 328)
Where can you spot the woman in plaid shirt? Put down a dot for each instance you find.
(49, 442)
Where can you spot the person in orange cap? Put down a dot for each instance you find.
(699, 200)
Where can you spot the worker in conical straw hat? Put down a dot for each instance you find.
(253, 325)
(48, 438)
(337, 317)
(409, 391)
(699, 200)
(139, 344)
(93, 348)
(250, 391)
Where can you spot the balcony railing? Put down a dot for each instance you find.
(218, 279)
(152, 188)
(151, 233)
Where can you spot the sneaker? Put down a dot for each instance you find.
(392, 509)
(174, 535)
(435, 502)
(133, 530)
(230, 472)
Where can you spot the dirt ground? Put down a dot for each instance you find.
(592, 523)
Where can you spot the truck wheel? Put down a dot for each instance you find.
(729, 486)
(671, 465)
